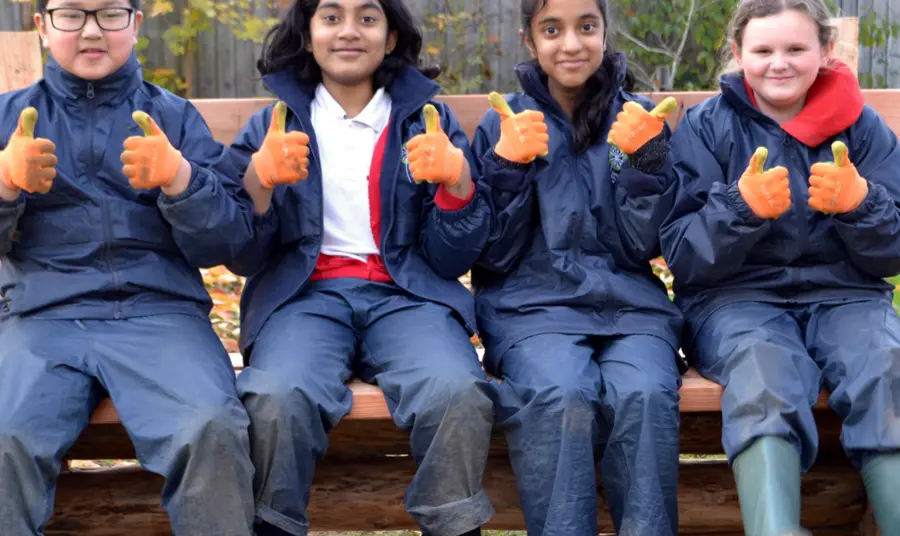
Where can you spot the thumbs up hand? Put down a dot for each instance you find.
(284, 156)
(150, 161)
(28, 163)
(768, 193)
(523, 136)
(836, 187)
(635, 126)
(432, 157)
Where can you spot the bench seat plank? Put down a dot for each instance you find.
(698, 395)
(369, 428)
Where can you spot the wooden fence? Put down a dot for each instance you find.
(225, 66)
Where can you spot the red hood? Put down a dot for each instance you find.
(833, 103)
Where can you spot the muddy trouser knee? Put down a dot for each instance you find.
(435, 389)
(47, 400)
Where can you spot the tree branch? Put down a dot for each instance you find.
(676, 59)
(642, 76)
(644, 45)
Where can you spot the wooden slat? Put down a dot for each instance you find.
(227, 116)
(369, 429)
(226, 73)
(701, 433)
(846, 48)
(20, 60)
(701, 395)
(368, 495)
(698, 395)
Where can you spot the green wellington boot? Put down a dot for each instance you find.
(767, 475)
(881, 476)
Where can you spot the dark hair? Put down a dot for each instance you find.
(42, 5)
(598, 90)
(285, 45)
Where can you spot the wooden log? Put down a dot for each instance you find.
(20, 60)
(368, 495)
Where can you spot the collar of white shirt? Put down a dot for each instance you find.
(375, 115)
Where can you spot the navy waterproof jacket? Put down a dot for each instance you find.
(721, 253)
(424, 248)
(93, 246)
(573, 235)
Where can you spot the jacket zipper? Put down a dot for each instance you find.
(104, 205)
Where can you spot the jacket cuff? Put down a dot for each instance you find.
(509, 164)
(652, 156)
(869, 204)
(17, 206)
(447, 201)
(471, 207)
(196, 182)
(739, 205)
(639, 183)
(507, 176)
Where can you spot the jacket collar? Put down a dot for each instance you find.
(114, 87)
(533, 80)
(409, 91)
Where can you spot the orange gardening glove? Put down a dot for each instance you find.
(836, 187)
(767, 192)
(523, 136)
(635, 126)
(27, 163)
(431, 156)
(150, 160)
(284, 156)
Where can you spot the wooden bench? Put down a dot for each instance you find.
(361, 483)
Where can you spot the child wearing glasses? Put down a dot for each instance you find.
(112, 194)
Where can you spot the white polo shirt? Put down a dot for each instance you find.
(346, 146)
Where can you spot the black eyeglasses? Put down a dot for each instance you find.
(70, 19)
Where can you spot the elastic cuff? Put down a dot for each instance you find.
(503, 175)
(869, 202)
(19, 202)
(447, 201)
(508, 164)
(267, 220)
(652, 156)
(737, 202)
(194, 185)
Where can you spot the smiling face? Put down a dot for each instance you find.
(349, 39)
(781, 56)
(567, 38)
(90, 52)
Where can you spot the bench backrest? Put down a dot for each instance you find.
(227, 116)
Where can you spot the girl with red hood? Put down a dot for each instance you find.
(785, 226)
